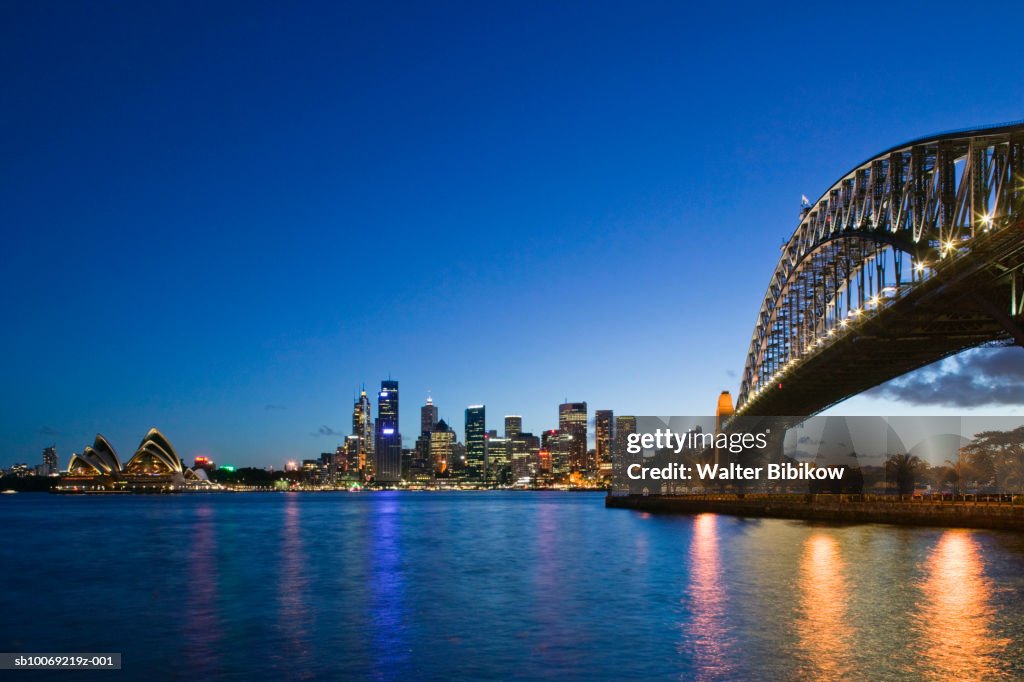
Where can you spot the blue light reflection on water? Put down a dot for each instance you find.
(499, 585)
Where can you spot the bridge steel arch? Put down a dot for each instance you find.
(920, 247)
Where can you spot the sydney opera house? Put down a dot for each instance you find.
(154, 468)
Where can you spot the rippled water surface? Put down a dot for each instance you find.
(499, 585)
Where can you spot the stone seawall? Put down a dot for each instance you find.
(836, 509)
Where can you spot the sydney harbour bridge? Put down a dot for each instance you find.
(912, 256)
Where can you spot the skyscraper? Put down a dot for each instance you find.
(604, 430)
(624, 426)
(525, 452)
(572, 422)
(476, 443)
(50, 460)
(353, 455)
(554, 453)
(428, 416)
(362, 428)
(388, 448)
(499, 459)
(513, 425)
(442, 442)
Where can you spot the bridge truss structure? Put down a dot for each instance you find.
(912, 256)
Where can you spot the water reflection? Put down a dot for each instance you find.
(956, 619)
(293, 584)
(706, 632)
(387, 590)
(547, 578)
(822, 627)
(374, 586)
(203, 627)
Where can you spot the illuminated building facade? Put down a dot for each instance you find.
(428, 421)
(428, 416)
(572, 422)
(49, 461)
(556, 453)
(353, 455)
(624, 426)
(442, 442)
(525, 452)
(476, 443)
(362, 428)
(513, 425)
(388, 448)
(499, 460)
(206, 463)
(155, 467)
(723, 410)
(604, 431)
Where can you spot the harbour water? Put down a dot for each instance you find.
(495, 585)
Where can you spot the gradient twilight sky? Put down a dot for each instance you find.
(222, 218)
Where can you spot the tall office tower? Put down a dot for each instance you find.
(388, 448)
(428, 420)
(442, 443)
(499, 459)
(340, 463)
(572, 422)
(351, 446)
(604, 430)
(513, 425)
(556, 453)
(428, 416)
(327, 467)
(352, 450)
(50, 460)
(624, 426)
(525, 451)
(476, 443)
(362, 428)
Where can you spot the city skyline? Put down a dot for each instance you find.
(496, 224)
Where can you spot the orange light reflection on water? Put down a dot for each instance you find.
(956, 619)
(708, 604)
(822, 627)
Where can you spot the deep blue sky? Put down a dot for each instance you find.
(222, 218)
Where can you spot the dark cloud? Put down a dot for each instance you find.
(48, 431)
(273, 406)
(984, 376)
(325, 431)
